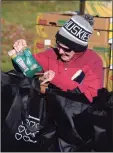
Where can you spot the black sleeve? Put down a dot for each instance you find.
(79, 80)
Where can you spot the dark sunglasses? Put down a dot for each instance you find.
(63, 48)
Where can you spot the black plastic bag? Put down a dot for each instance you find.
(66, 121)
(82, 126)
(25, 124)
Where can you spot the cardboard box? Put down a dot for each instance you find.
(39, 45)
(45, 33)
(103, 51)
(99, 7)
(101, 23)
(47, 26)
(52, 19)
(99, 37)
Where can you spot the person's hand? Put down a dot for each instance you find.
(43, 87)
(19, 45)
(47, 76)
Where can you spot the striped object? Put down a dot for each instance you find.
(100, 8)
(111, 33)
(76, 32)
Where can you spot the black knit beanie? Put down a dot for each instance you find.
(76, 32)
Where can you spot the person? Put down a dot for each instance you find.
(71, 65)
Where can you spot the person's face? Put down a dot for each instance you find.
(66, 54)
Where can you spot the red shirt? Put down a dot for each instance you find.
(89, 62)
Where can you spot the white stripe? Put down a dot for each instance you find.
(34, 118)
(111, 67)
(76, 74)
(110, 40)
(81, 25)
(83, 43)
(111, 20)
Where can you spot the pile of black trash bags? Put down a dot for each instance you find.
(56, 121)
